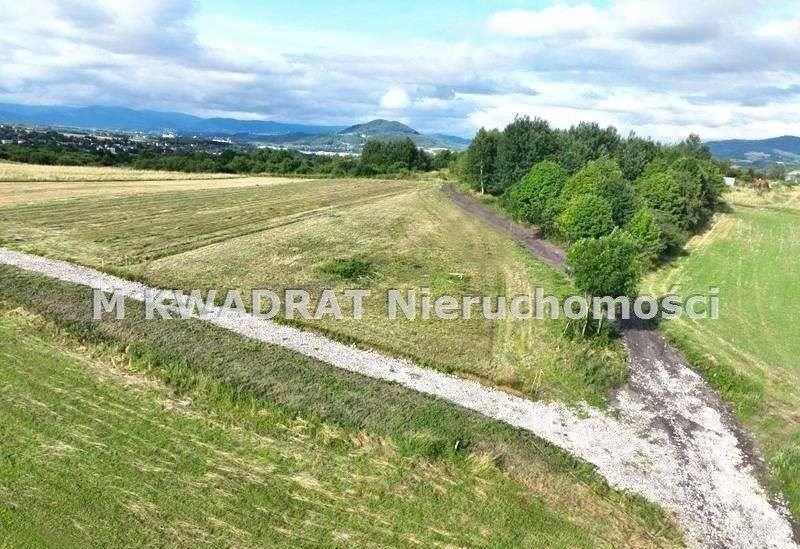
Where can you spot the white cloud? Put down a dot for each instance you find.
(558, 20)
(654, 21)
(395, 98)
(666, 67)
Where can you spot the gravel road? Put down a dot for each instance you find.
(666, 438)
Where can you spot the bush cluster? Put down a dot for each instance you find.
(620, 204)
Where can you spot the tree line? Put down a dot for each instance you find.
(621, 205)
(378, 157)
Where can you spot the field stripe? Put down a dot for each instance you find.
(711, 489)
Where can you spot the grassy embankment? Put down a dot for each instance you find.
(289, 234)
(179, 433)
(752, 353)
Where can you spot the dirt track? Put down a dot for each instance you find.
(529, 238)
(663, 392)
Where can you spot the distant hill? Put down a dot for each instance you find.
(784, 149)
(457, 143)
(352, 139)
(124, 119)
(297, 136)
(378, 128)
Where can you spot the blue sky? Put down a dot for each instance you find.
(664, 68)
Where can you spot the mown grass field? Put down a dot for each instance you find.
(752, 353)
(27, 183)
(176, 433)
(286, 234)
(15, 171)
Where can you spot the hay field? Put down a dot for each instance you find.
(26, 183)
(752, 353)
(286, 236)
(13, 171)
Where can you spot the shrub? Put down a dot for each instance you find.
(606, 266)
(365, 170)
(586, 216)
(679, 197)
(648, 235)
(603, 178)
(348, 269)
(535, 198)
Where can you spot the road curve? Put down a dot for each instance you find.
(671, 400)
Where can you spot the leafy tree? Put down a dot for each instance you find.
(393, 156)
(523, 144)
(645, 230)
(687, 189)
(586, 142)
(709, 177)
(606, 266)
(694, 147)
(672, 235)
(679, 198)
(535, 198)
(603, 178)
(586, 216)
(480, 161)
(443, 160)
(634, 154)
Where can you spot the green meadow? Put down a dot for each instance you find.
(751, 354)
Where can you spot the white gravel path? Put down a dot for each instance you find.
(666, 437)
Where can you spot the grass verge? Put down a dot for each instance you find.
(299, 445)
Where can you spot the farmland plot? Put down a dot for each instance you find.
(406, 233)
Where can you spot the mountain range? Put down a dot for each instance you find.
(785, 149)
(289, 135)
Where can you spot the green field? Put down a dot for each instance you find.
(286, 235)
(178, 433)
(752, 353)
(175, 433)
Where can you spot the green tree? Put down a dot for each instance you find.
(480, 160)
(443, 160)
(708, 176)
(693, 146)
(603, 178)
(687, 189)
(586, 216)
(394, 156)
(645, 230)
(535, 198)
(523, 144)
(678, 198)
(586, 142)
(606, 266)
(634, 154)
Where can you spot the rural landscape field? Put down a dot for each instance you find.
(752, 353)
(248, 431)
(423, 274)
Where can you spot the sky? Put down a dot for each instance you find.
(661, 68)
